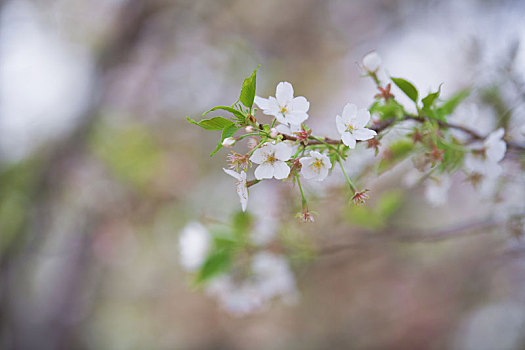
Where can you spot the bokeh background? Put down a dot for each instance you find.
(99, 172)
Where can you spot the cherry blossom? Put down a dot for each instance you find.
(242, 189)
(194, 244)
(287, 109)
(351, 125)
(495, 147)
(316, 166)
(271, 158)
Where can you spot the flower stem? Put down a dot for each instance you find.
(303, 198)
(350, 183)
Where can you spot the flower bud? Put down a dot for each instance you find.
(249, 129)
(274, 133)
(228, 142)
(371, 62)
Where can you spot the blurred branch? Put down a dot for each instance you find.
(383, 125)
(460, 231)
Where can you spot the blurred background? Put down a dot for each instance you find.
(99, 172)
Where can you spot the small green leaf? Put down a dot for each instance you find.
(389, 110)
(216, 123)
(428, 101)
(216, 263)
(241, 117)
(450, 105)
(228, 131)
(407, 87)
(248, 90)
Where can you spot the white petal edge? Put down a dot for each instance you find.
(281, 170)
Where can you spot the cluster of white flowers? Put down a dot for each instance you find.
(273, 157)
(270, 275)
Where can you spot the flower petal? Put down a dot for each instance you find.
(300, 104)
(259, 155)
(296, 117)
(306, 161)
(233, 173)
(349, 111)
(348, 139)
(284, 93)
(364, 134)
(283, 151)
(242, 191)
(281, 170)
(362, 118)
(262, 103)
(264, 171)
(341, 127)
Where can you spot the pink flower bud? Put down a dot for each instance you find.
(274, 133)
(249, 129)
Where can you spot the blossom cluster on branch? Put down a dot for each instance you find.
(281, 146)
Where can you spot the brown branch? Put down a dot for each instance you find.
(381, 126)
(464, 230)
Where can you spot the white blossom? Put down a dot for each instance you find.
(495, 147)
(228, 142)
(194, 244)
(484, 173)
(372, 62)
(242, 189)
(316, 166)
(436, 190)
(271, 158)
(270, 277)
(287, 109)
(351, 125)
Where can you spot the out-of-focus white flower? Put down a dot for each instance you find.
(272, 158)
(242, 189)
(495, 147)
(372, 62)
(194, 244)
(249, 129)
(228, 142)
(483, 173)
(351, 125)
(436, 190)
(271, 277)
(316, 166)
(287, 109)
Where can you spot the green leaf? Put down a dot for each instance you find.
(228, 131)
(241, 117)
(389, 110)
(242, 222)
(216, 263)
(428, 100)
(216, 123)
(248, 90)
(407, 88)
(450, 105)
